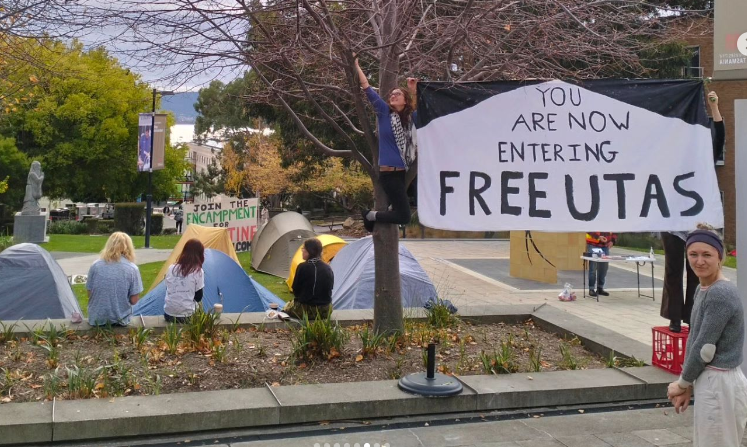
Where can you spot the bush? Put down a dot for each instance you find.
(168, 231)
(67, 227)
(106, 226)
(156, 224)
(5, 242)
(129, 218)
(321, 338)
(92, 226)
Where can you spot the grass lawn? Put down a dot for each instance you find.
(149, 271)
(83, 243)
(730, 261)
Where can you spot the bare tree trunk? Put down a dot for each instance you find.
(387, 289)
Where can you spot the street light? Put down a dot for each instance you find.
(149, 206)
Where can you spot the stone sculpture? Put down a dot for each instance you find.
(33, 191)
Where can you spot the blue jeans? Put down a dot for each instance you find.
(597, 270)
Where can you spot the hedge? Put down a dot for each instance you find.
(67, 227)
(129, 218)
(156, 224)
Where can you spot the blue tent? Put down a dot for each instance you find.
(354, 270)
(223, 275)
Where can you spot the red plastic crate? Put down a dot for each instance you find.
(669, 348)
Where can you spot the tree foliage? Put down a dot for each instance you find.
(14, 168)
(80, 121)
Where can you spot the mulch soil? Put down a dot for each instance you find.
(106, 365)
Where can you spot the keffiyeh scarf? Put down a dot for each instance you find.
(406, 139)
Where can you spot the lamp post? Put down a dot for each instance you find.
(149, 197)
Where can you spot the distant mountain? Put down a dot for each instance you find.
(182, 106)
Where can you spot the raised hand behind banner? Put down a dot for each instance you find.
(412, 85)
(713, 99)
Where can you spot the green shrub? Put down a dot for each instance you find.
(129, 218)
(106, 226)
(67, 227)
(156, 224)
(167, 231)
(201, 326)
(5, 242)
(92, 226)
(319, 338)
(439, 315)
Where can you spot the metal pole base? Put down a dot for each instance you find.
(440, 385)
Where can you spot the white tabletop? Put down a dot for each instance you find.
(620, 259)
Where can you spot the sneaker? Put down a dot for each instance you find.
(601, 291)
(592, 292)
(368, 224)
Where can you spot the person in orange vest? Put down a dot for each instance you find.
(598, 270)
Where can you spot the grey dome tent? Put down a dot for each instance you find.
(34, 287)
(354, 271)
(275, 244)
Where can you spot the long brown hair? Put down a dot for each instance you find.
(191, 258)
(406, 113)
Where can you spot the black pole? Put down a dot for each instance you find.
(149, 197)
(431, 368)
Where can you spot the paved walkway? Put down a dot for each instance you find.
(638, 428)
(631, 428)
(79, 263)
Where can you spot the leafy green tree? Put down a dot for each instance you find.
(14, 167)
(210, 182)
(81, 123)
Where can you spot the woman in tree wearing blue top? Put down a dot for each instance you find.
(397, 148)
(714, 349)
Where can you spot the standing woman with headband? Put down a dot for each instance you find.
(714, 349)
(397, 148)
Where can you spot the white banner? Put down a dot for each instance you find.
(558, 157)
(238, 215)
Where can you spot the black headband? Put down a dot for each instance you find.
(706, 237)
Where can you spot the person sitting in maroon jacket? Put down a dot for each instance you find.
(598, 270)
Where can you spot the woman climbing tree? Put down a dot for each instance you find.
(397, 148)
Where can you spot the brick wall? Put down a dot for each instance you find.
(701, 34)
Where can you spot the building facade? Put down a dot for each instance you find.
(700, 39)
(200, 156)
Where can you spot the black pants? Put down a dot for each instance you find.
(180, 320)
(393, 183)
(178, 226)
(677, 304)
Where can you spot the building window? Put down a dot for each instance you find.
(694, 69)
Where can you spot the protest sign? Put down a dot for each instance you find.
(603, 155)
(239, 216)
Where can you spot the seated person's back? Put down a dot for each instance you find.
(114, 283)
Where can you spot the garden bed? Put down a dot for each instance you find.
(200, 356)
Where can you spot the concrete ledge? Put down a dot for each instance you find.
(362, 400)
(26, 423)
(170, 413)
(232, 409)
(478, 314)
